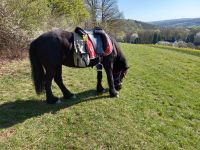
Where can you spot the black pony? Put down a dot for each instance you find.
(53, 49)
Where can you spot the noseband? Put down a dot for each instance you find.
(118, 77)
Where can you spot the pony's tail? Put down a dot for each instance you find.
(36, 69)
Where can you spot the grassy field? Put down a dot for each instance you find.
(158, 108)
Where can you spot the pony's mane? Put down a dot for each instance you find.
(121, 61)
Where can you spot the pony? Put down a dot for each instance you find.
(52, 49)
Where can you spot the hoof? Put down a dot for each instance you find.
(114, 96)
(58, 102)
(101, 90)
(71, 96)
(114, 93)
(53, 100)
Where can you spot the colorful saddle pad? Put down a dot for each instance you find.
(97, 42)
(90, 45)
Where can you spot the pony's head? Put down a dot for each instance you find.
(120, 67)
(118, 78)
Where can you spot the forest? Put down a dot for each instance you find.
(23, 20)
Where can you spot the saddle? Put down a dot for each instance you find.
(90, 45)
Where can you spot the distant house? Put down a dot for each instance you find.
(164, 43)
(133, 37)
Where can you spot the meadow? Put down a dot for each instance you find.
(158, 107)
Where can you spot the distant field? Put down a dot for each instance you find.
(158, 108)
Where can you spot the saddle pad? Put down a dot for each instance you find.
(91, 50)
(94, 44)
(80, 46)
(101, 42)
(109, 47)
(80, 54)
(97, 43)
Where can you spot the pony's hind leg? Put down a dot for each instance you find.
(50, 98)
(100, 88)
(58, 79)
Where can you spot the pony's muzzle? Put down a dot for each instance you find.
(118, 87)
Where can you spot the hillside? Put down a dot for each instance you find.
(138, 24)
(185, 22)
(158, 107)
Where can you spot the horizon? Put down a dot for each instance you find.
(159, 10)
(162, 20)
(173, 19)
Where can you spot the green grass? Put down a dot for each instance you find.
(182, 50)
(158, 108)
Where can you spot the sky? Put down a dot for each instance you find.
(154, 10)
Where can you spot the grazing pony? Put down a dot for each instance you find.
(53, 49)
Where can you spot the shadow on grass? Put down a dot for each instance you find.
(12, 113)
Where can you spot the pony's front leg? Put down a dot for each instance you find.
(100, 88)
(108, 66)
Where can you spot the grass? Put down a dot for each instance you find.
(190, 51)
(158, 108)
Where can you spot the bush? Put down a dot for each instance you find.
(181, 44)
(191, 45)
(12, 43)
(12, 39)
(23, 20)
(164, 43)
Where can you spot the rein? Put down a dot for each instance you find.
(118, 76)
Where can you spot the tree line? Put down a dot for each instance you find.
(23, 20)
(143, 33)
(188, 35)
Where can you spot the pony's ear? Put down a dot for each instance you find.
(126, 71)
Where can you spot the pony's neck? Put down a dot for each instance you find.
(120, 57)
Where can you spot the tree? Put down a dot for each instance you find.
(190, 38)
(109, 13)
(92, 6)
(156, 37)
(26, 14)
(197, 39)
(74, 11)
(24, 19)
(18, 21)
(104, 13)
(146, 37)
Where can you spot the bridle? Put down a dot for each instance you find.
(118, 75)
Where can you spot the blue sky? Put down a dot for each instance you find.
(153, 10)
